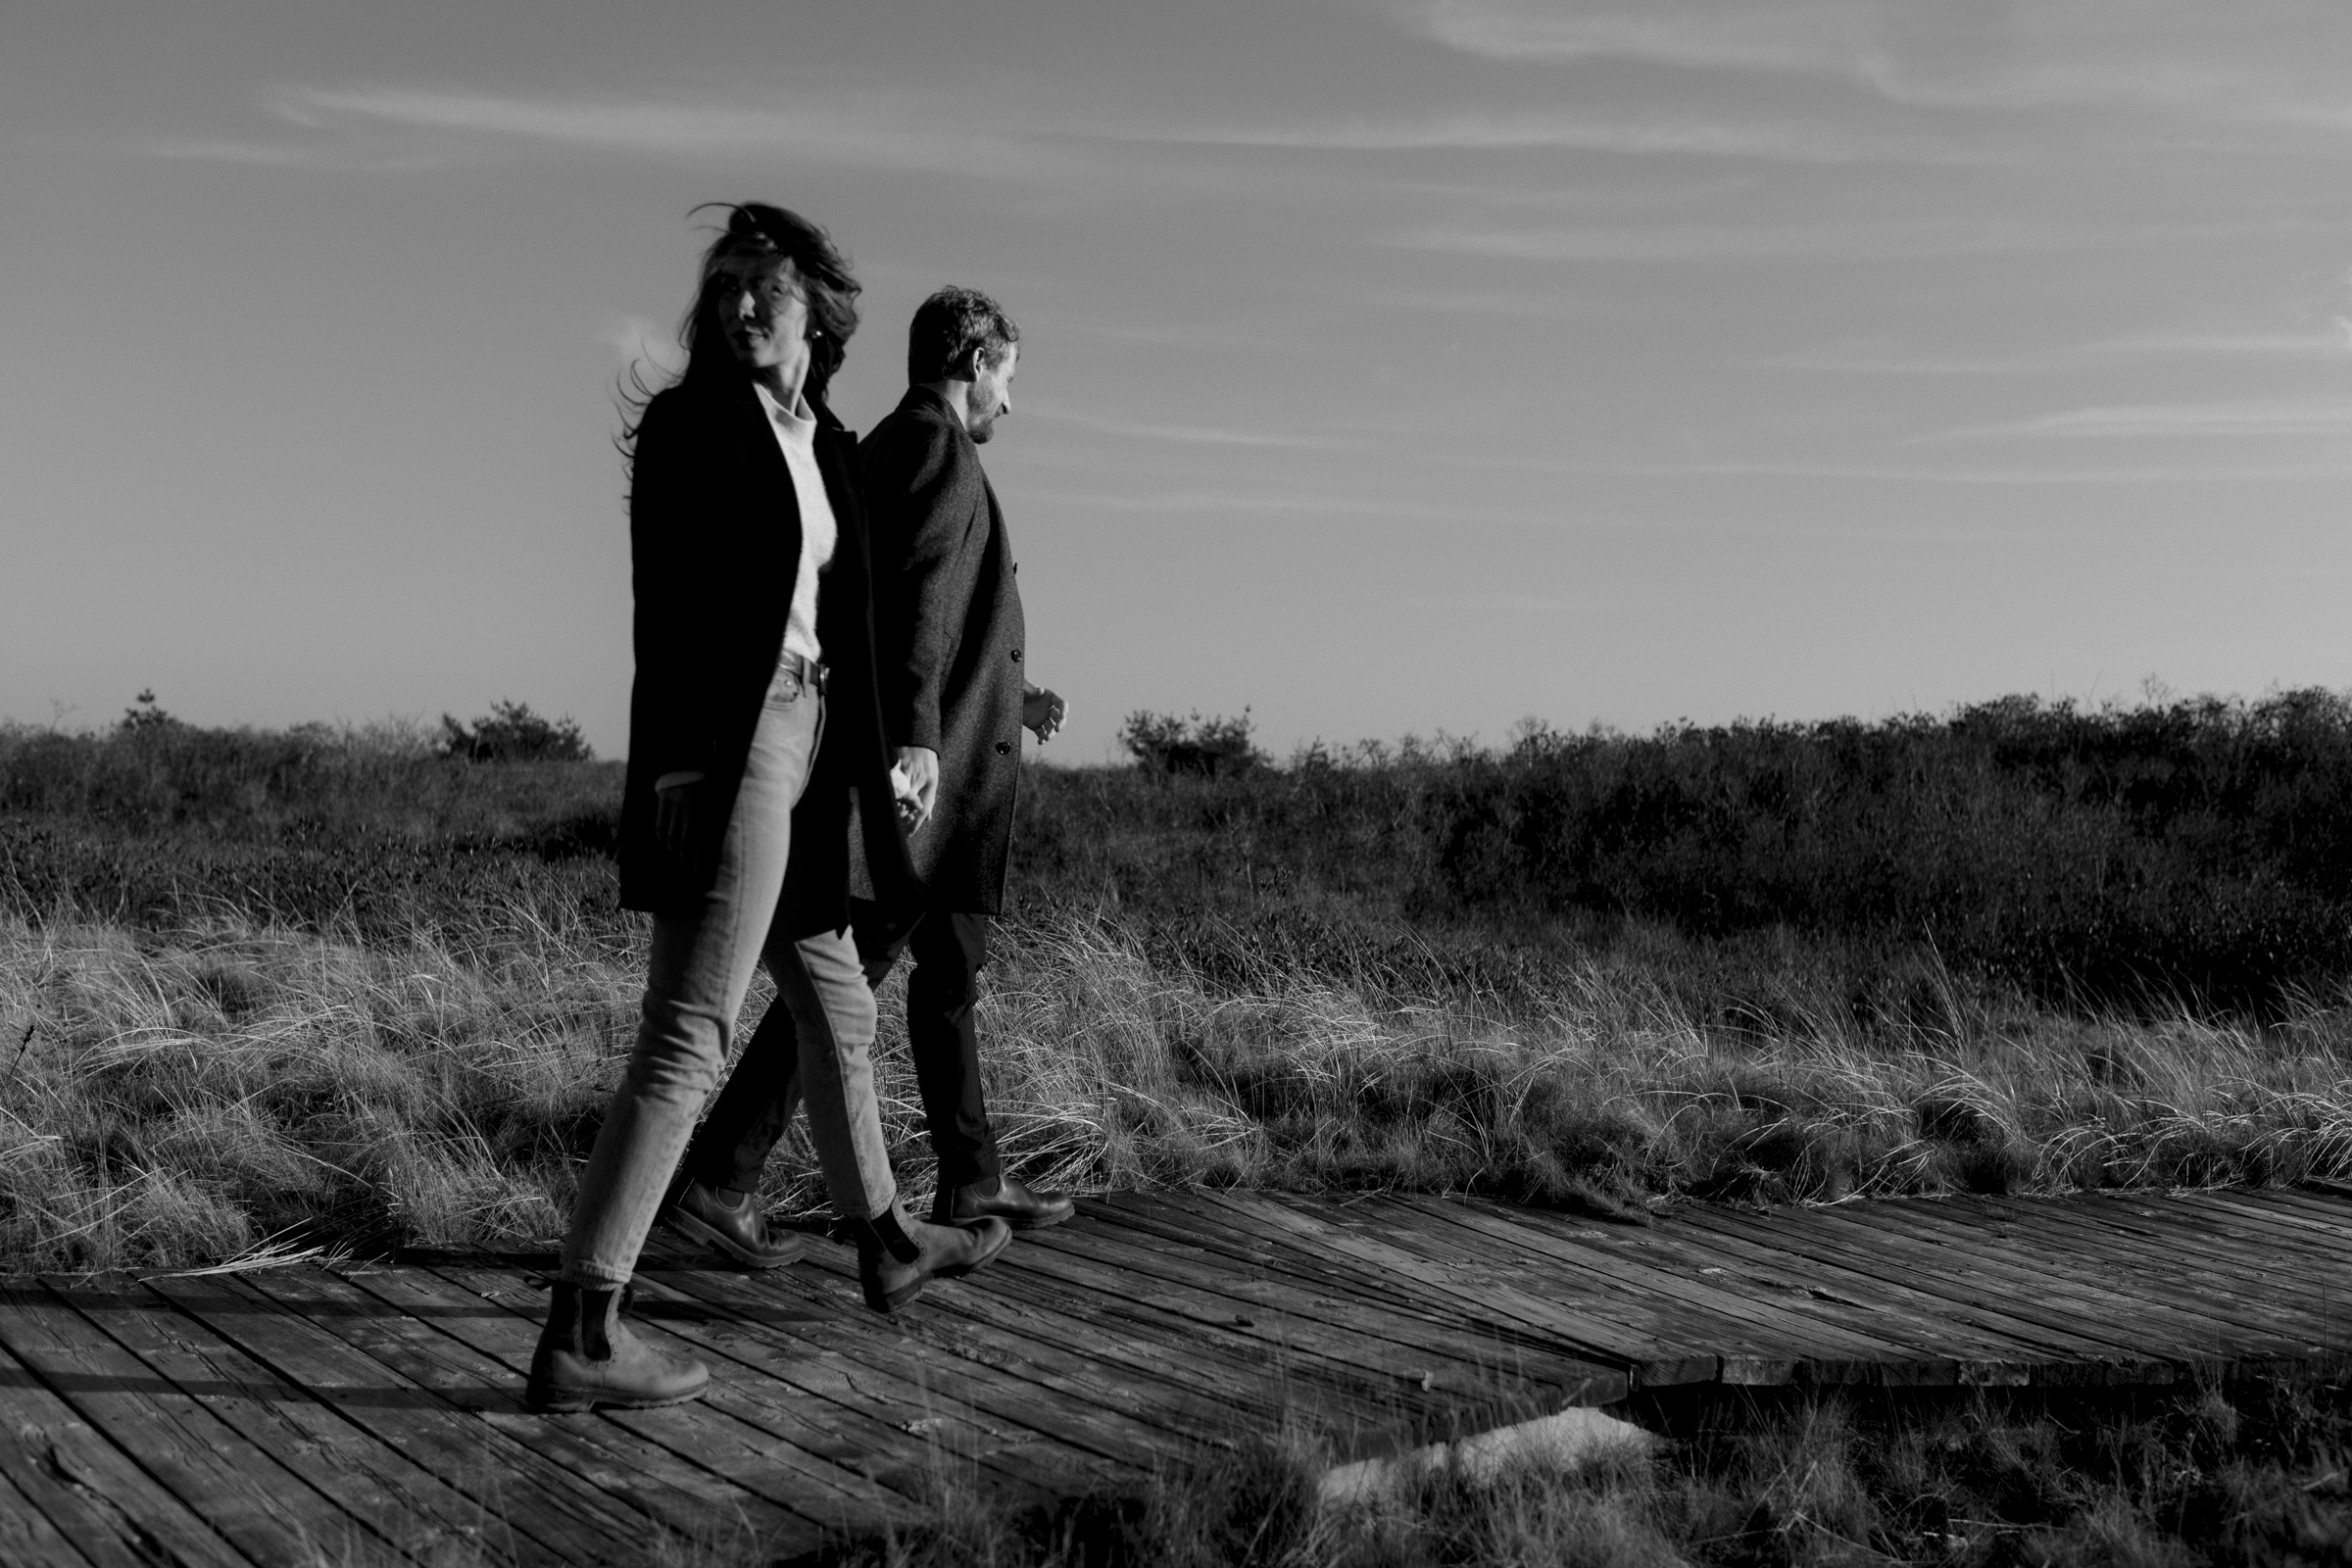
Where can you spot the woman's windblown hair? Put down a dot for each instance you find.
(755, 228)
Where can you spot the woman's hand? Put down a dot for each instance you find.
(675, 811)
(919, 766)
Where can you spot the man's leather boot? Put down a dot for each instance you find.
(898, 1254)
(738, 1229)
(587, 1356)
(1003, 1198)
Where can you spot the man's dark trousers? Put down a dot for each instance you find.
(948, 946)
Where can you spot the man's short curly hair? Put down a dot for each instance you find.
(951, 324)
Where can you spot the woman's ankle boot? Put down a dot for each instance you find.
(588, 1356)
(898, 1254)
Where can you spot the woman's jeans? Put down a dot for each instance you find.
(703, 958)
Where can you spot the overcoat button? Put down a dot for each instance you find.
(1017, 656)
(1004, 746)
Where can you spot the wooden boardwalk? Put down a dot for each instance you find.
(371, 1413)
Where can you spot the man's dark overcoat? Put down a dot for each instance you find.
(948, 621)
(714, 545)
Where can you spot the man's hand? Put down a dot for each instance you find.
(1042, 712)
(920, 765)
(676, 810)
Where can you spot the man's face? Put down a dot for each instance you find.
(760, 309)
(992, 393)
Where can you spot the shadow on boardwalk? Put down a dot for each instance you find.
(371, 1410)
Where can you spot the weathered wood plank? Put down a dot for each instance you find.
(699, 1450)
(1276, 1342)
(1828, 1346)
(1414, 1315)
(749, 1381)
(1979, 1354)
(252, 1501)
(1353, 1333)
(1245, 1380)
(2056, 1280)
(1281, 1321)
(2218, 1243)
(89, 1491)
(982, 1319)
(2224, 1232)
(1376, 1304)
(1480, 1267)
(2001, 1255)
(2030, 1259)
(2191, 1267)
(394, 1496)
(1744, 1353)
(2328, 1207)
(2284, 1223)
(851, 1357)
(2102, 1357)
(526, 1495)
(27, 1536)
(606, 1460)
(1654, 1359)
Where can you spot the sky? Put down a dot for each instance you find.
(1395, 366)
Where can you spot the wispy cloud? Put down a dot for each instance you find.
(1652, 134)
(1180, 434)
(2251, 417)
(1991, 474)
(866, 129)
(2261, 417)
(2279, 62)
(308, 154)
(1744, 242)
(2334, 346)
(1146, 499)
(1752, 35)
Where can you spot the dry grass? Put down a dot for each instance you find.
(2251, 1473)
(173, 1100)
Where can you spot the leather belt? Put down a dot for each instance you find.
(812, 674)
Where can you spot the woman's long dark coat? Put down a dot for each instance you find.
(714, 544)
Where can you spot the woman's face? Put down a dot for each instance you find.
(762, 311)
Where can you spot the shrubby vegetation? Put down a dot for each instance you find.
(2244, 1473)
(2183, 853)
(512, 733)
(1163, 743)
(342, 985)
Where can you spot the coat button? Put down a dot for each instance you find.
(1017, 656)
(1004, 746)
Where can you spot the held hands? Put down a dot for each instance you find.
(1042, 712)
(917, 780)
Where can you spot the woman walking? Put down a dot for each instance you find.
(752, 717)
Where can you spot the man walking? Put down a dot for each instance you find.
(949, 649)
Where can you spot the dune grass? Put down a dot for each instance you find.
(330, 988)
(171, 1098)
(2254, 1472)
